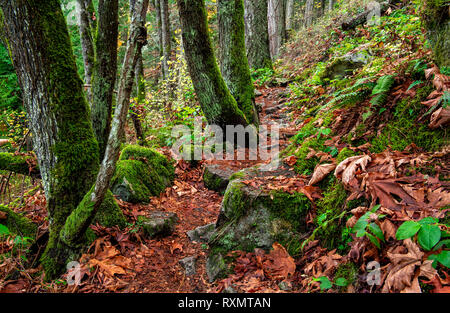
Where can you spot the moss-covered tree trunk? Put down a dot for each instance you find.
(277, 26)
(57, 110)
(87, 43)
(80, 219)
(234, 62)
(257, 34)
(217, 103)
(105, 70)
(436, 19)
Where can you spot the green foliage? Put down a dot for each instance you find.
(371, 230)
(10, 94)
(403, 128)
(262, 76)
(428, 232)
(353, 94)
(381, 90)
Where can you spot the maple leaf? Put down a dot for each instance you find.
(321, 172)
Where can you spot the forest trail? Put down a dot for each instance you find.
(153, 265)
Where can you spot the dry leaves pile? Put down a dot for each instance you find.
(260, 272)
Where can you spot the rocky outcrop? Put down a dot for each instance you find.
(217, 177)
(158, 224)
(254, 218)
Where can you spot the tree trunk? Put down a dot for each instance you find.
(87, 45)
(277, 26)
(80, 219)
(165, 37)
(289, 14)
(140, 96)
(436, 19)
(234, 62)
(330, 5)
(257, 34)
(309, 9)
(217, 103)
(57, 111)
(105, 71)
(157, 5)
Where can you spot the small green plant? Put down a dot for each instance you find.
(381, 90)
(262, 76)
(371, 230)
(325, 283)
(428, 233)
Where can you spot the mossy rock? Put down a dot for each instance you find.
(16, 223)
(345, 65)
(217, 177)
(253, 218)
(158, 224)
(140, 174)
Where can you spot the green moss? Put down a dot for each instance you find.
(291, 208)
(21, 164)
(345, 153)
(329, 212)
(237, 175)
(17, 223)
(109, 214)
(349, 271)
(304, 165)
(404, 128)
(146, 171)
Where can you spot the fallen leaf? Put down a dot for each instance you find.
(321, 172)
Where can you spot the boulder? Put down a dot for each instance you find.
(189, 265)
(216, 177)
(202, 233)
(345, 65)
(216, 267)
(252, 218)
(140, 174)
(158, 224)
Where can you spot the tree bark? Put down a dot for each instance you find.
(140, 97)
(57, 110)
(80, 219)
(217, 103)
(234, 62)
(436, 19)
(105, 71)
(330, 5)
(309, 10)
(277, 26)
(165, 37)
(87, 44)
(257, 34)
(289, 14)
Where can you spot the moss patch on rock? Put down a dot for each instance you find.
(140, 174)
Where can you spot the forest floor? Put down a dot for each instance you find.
(125, 261)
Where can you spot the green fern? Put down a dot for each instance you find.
(353, 94)
(381, 90)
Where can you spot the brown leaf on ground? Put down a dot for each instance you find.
(279, 264)
(402, 276)
(439, 118)
(321, 172)
(347, 168)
